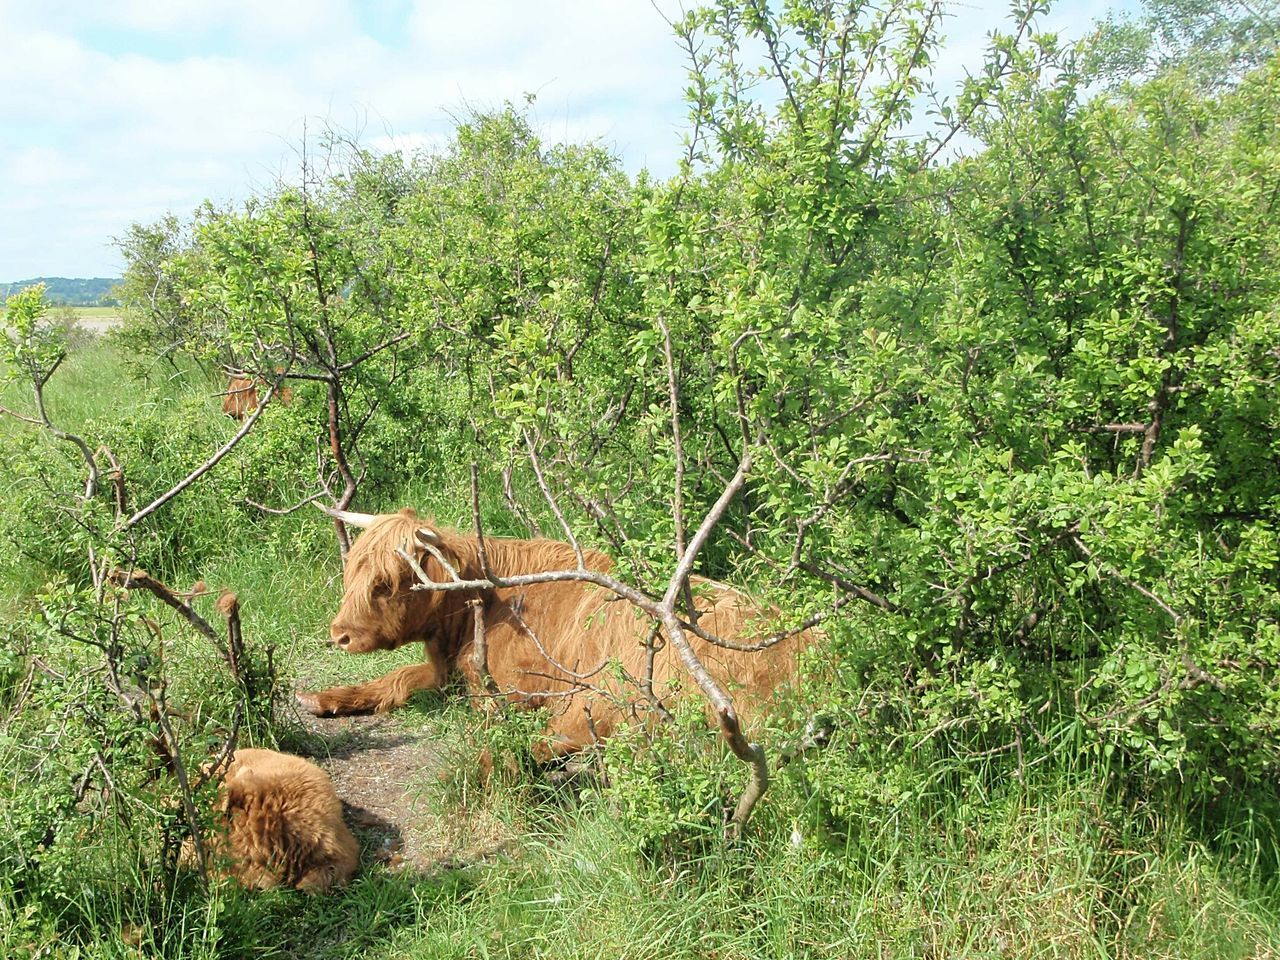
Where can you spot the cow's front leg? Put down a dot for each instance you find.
(375, 696)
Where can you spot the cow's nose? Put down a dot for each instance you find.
(341, 639)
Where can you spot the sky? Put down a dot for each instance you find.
(121, 111)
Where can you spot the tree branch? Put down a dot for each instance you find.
(205, 467)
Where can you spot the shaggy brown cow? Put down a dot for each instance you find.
(241, 396)
(546, 643)
(281, 825)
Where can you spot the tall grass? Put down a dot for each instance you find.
(1050, 870)
(1046, 860)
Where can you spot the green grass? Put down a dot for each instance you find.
(99, 312)
(1038, 874)
(978, 864)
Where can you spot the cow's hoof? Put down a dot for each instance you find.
(310, 702)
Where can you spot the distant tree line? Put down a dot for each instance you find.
(69, 291)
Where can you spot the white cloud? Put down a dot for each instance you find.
(114, 112)
(43, 167)
(121, 121)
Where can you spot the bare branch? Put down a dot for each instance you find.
(551, 501)
(208, 465)
(184, 784)
(352, 364)
(772, 639)
(117, 479)
(713, 517)
(475, 514)
(844, 583)
(677, 496)
(516, 507)
(37, 386)
(22, 417)
(218, 767)
(141, 580)
(480, 649)
(1131, 584)
(1116, 428)
(749, 753)
(546, 654)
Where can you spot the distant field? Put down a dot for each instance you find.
(97, 319)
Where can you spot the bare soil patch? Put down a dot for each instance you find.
(387, 774)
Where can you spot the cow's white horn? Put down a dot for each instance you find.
(349, 516)
(427, 535)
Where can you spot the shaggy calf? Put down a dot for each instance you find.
(281, 825)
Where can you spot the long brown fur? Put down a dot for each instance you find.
(241, 396)
(581, 628)
(281, 825)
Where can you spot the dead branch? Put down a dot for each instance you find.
(677, 493)
(19, 416)
(184, 784)
(208, 465)
(218, 767)
(772, 639)
(229, 607)
(551, 500)
(37, 385)
(1197, 675)
(844, 583)
(1116, 428)
(352, 364)
(117, 480)
(480, 649)
(685, 567)
(475, 517)
(653, 645)
(546, 655)
(141, 580)
(516, 507)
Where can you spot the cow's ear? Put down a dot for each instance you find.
(239, 788)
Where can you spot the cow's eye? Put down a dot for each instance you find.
(380, 591)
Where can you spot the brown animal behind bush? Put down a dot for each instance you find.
(281, 825)
(241, 396)
(548, 644)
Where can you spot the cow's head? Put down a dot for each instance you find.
(380, 609)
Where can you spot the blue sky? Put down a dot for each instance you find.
(116, 111)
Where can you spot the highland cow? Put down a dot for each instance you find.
(571, 646)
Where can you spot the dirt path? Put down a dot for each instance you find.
(387, 774)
